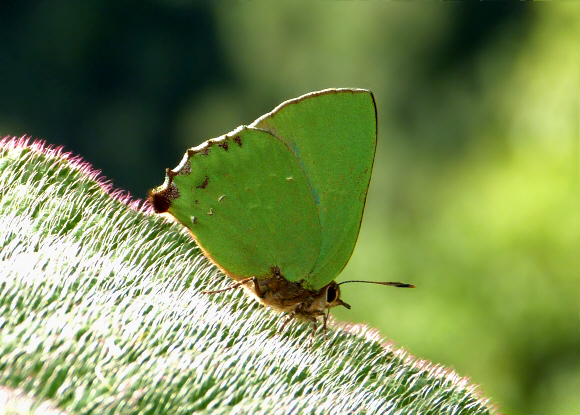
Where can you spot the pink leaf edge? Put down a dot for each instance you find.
(77, 162)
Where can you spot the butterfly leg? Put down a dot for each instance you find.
(257, 290)
(314, 327)
(324, 321)
(313, 334)
(287, 320)
(236, 285)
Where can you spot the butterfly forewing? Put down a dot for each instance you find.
(249, 205)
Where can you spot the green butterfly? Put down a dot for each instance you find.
(277, 205)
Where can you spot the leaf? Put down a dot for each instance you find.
(101, 312)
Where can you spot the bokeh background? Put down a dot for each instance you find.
(474, 195)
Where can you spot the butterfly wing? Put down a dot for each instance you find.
(248, 204)
(333, 134)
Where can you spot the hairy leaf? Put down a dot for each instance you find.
(101, 312)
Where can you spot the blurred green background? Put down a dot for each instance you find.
(474, 195)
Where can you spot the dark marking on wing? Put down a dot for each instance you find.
(160, 198)
(204, 184)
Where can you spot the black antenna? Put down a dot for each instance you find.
(392, 284)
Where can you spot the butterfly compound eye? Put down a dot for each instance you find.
(331, 294)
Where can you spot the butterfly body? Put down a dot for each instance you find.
(292, 298)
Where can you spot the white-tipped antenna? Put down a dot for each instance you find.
(392, 284)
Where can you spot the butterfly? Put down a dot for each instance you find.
(277, 205)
